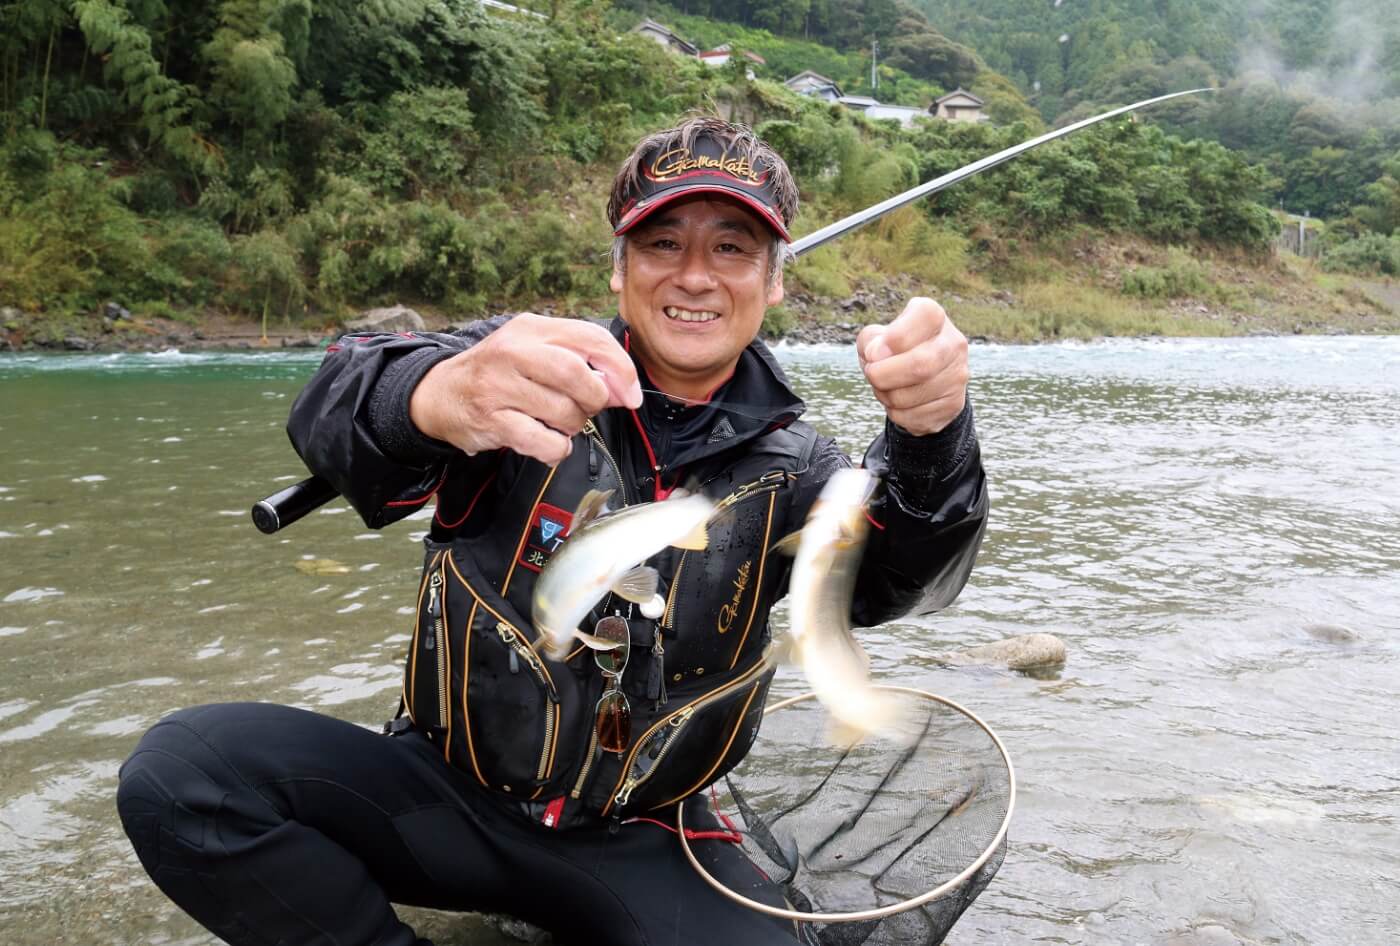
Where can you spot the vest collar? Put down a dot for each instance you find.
(758, 392)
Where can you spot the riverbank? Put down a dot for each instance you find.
(1089, 289)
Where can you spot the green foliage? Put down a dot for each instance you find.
(1181, 278)
(932, 56)
(421, 142)
(1381, 208)
(820, 273)
(777, 322)
(1368, 254)
(254, 79)
(162, 104)
(196, 255)
(72, 245)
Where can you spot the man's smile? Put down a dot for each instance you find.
(676, 313)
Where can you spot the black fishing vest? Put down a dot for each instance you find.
(523, 725)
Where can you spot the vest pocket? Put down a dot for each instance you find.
(427, 673)
(476, 684)
(693, 745)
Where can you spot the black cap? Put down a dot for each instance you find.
(669, 174)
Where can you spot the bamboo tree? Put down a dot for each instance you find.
(44, 94)
(163, 104)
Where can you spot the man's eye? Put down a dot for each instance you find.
(664, 244)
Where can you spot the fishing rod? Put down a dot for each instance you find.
(286, 506)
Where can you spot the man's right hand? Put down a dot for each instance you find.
(529, 386)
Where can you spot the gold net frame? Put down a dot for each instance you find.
(852, 916)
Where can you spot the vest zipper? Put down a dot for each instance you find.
(437, 641)
(513, 639)
(765, 484)
(622, 791)
(587, 763)
(596, 436)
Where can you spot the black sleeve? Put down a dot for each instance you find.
(927, 519)
(350, 423)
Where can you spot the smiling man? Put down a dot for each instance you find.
(500, 785)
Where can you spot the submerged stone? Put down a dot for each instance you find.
(1023, 652)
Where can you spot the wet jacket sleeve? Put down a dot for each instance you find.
(350, 423)
(927, 519)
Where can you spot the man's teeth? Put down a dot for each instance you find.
(685, 315)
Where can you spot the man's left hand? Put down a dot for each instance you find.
(917, 366)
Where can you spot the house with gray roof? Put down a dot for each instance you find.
(666, 38)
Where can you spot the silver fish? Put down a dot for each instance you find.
(827, 558)
(604, 553)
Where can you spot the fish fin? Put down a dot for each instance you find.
(551, 650)
(589, 508)
(779, 651)
(638, 585)
(787, 545)
(593, 642)
(654, 608)
(690, 487)
(696, 540)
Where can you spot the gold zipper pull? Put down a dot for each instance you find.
(620, 799)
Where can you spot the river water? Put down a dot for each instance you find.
(1213, 527)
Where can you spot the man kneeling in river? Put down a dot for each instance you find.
(510, 783)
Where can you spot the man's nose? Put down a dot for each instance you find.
(696, 276)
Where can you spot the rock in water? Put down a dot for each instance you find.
(1023, 652)
(322, 566)
(1331, 633)
(394, 319)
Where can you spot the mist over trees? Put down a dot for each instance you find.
(1310, 89)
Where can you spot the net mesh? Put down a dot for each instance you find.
(844, 830)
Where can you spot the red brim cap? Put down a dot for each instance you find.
(703, 168)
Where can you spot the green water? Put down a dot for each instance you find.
(1185, 515)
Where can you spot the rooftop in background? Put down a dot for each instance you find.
(808, 82)
(665, 37)
(507, 8)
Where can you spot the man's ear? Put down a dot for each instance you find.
(615, 283)
(775, 291)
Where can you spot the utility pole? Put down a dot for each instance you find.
(874, 54)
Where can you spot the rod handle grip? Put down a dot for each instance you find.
(286, 506)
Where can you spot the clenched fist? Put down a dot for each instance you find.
(917, 366)
(529, 386)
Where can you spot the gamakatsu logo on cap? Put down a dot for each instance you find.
(678, 161)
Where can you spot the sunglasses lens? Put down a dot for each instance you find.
(614, 722)
(613, 629)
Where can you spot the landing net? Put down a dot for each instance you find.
(880, 843)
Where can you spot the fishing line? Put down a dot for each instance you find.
(751, 411)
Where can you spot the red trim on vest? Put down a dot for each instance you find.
(878, 525)
(552, 813)
(470, 506)
(421, 499)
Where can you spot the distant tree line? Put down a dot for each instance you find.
(1309, 89)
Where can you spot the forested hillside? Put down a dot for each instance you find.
(1309, 88)
(294, 160)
